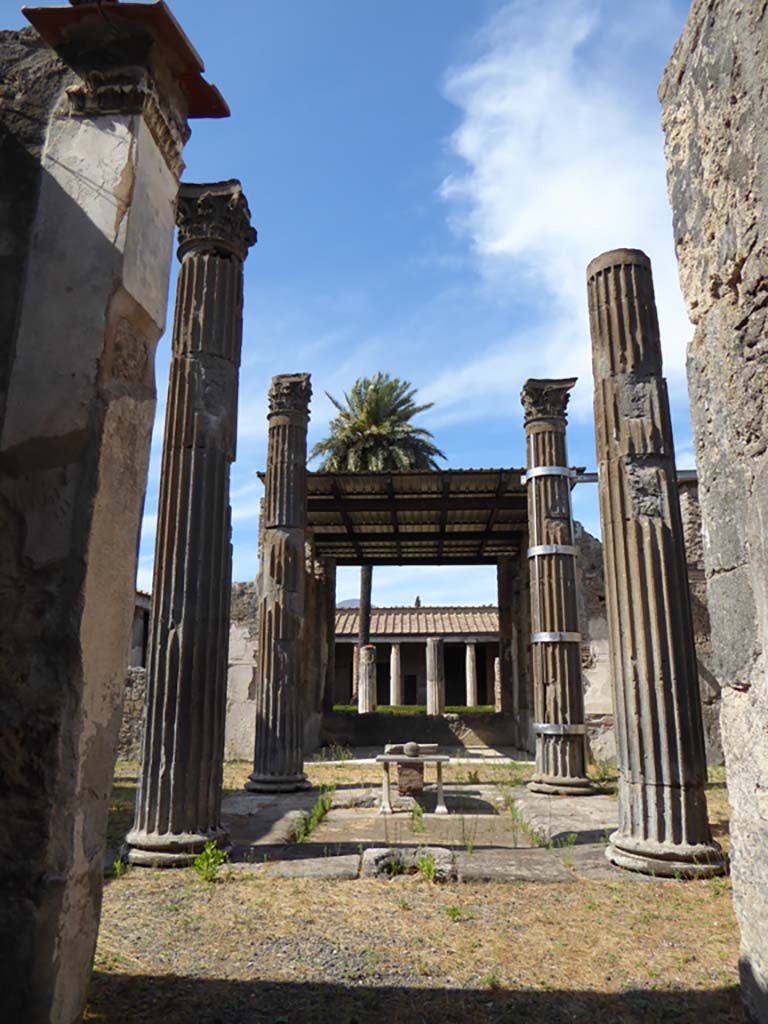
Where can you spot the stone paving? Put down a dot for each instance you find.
(491, 833)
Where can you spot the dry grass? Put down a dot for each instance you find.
(249, 949)
(172, 949)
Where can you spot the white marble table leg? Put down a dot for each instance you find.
(440, 807)
(386, 806)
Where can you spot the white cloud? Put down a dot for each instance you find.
(560, 161)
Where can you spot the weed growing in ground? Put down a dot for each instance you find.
(473, 777)
(457, 914)
(426, 866)
(417, 819)
(393, 868)
(208, 862)
(120, 867)
(604, 774)
(335, 752)
(568, 844)
(404, 904)
(491, 980)
(320, 808)
(468, 835)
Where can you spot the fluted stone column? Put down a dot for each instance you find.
(178, 805)
(663, 825)
(555, 637)
(395, 676)
(470, 663)
(435, 676)
(366, 692)
(497, 686)
(278, 751)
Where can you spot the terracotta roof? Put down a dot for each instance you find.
(422, 622)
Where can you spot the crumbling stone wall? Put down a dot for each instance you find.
(241, 675)
(131, 723)
(709, 685)
(595, 664)
(713, 98)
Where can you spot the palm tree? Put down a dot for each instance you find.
(373, 433)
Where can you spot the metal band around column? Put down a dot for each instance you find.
(553, 549)
(555, 729)
(555, 638)
(549, 471)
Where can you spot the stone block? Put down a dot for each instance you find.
(410, 779)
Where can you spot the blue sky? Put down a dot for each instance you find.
(429, 180)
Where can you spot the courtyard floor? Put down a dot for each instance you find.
(534, 924)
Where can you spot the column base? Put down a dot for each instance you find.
(171, 849)
(277, 783)
(561, 787)
(667, 860)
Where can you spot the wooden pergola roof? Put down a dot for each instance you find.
(455, 516)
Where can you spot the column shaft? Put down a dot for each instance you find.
(555, 637)
(364, 618)
(505, 582)
(663, 824)
(366, 693)
(178, 804)
(435, 676)
(395, 676)
(470, 662)
(278, 749)
(330, 633)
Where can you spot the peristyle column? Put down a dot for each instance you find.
(559, 696)
(435, 676)
(395, 676)
(178, 804)
(663, 824)
(470, 663)
(364, 619)
(366, 691)
(330, 633)
(278, 753)
(506, 569)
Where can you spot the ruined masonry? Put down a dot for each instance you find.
(178, 802)
(92, 151)
(555, 637)
(279, 747)
(713, 114)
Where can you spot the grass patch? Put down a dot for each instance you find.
(320, 808)
(248, 932)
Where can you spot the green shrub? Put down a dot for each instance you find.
(208, 862)
(426, 866)
(321, 806)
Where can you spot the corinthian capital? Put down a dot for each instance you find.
(546, 399)
(214, 218)
(289, 395)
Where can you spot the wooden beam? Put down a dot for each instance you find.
(345, 519)
(459, 503)
(402, 540)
